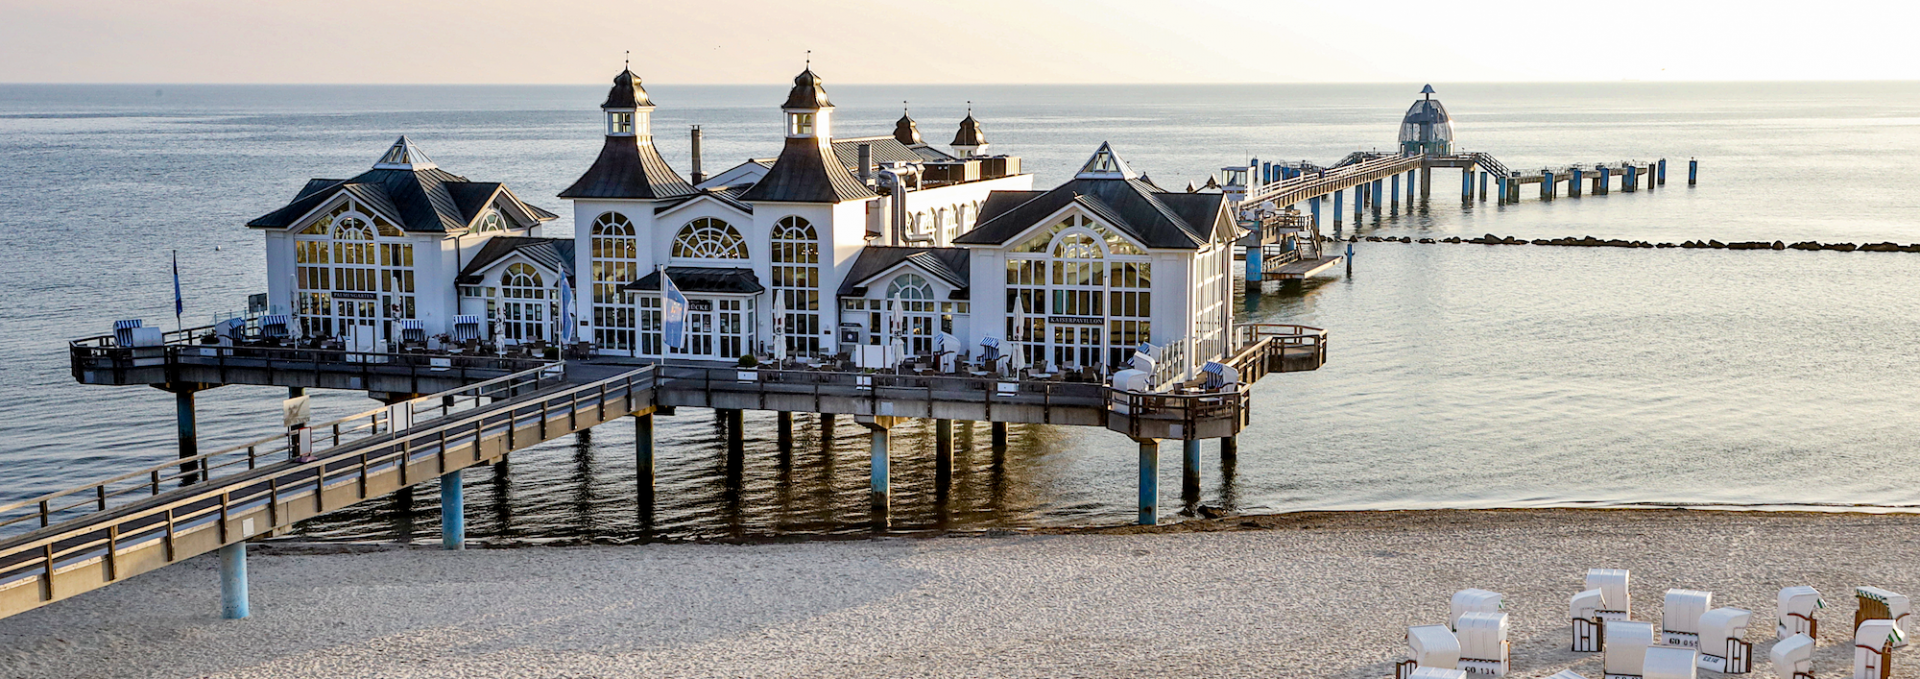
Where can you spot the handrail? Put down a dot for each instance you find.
(202, 466)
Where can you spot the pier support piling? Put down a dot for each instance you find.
(1573, 183)
(826, 430)
(1373, 195)
(879, 472)
(1547, 186)
(1663, 172)
(1483, 187)
(1466, 184)
(1314, 205)
(453, 512)
(1254, 267)
(1631, 182)
(1229, 449)
(1426, 182)
(1693, 171)
(942, 452)
(1336, 210)
(1190, 470)
(1149, 482)
(233, 581)
(1396, 194)
(189, 431)
(296, 392)
(784, 424)
(643, 461)
(736, 434)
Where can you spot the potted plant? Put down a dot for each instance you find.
(748, 368)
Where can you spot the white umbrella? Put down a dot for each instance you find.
(779, 326)
(1018, 356)
(499, 342)
(895, 325)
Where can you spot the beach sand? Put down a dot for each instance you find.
(1298, 595)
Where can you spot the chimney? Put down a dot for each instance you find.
(698, 176)
(866, 163)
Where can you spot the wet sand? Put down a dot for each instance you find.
(1298, 595)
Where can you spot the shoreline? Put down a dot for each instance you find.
(1297, 596)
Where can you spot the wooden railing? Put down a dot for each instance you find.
(100, 548)
(141, 484)
(1145, 415)
(93, 354)
(983, 389)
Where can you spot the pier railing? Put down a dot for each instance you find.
(986, 389)
(141, 484)
(96, 354)
(100, 548)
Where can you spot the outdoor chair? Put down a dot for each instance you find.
(1680, 617)
(1612, 583)
(1429, 646)
(1797, 608)
(1584, 609)
(1483, 643)
(1472, 601)
(1880, 604)
(1793, 657)
(1723, 647)
(1666, 662)
(1873, 644)
(1625, 652)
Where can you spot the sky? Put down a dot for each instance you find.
(982, 41)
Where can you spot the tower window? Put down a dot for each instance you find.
(802, 123)
(620, 123)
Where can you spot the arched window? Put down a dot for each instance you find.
(520, 276)
(492, 221)
(615, 262)
(709, 238)
(523, 307)
(796, 280)
(909, 286)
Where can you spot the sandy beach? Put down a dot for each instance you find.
(1299, 595)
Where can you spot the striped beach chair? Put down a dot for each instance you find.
(466, 327)
(412, 330)
(123, 331)
(275, 326)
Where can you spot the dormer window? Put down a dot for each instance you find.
(620, 122)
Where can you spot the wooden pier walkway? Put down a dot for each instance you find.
(79, 539)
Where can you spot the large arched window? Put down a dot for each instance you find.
(523, 308)
(796, 280)
(909, 286)
(616, 255)
(492, 221)
(351, 249)
(912, 297)
(709, 238)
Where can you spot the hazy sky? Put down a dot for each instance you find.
(986, 41)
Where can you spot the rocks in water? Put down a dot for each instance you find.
(1777, 245)
(1373, 239)
(1426, 240)
(1880, 247)
(1839, 247)
(1805, 245)
(1591, 242)
(1716, 244)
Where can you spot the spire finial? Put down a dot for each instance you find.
(809, 60)
(969, 107)
(903, 107)
(627, 63)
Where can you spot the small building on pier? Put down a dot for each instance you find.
(1426, 131)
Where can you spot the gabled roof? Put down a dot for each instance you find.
(732, 281)
(1105, 164)
(947, 264)
(423, 198)
(805, 173)
(1153, 217)
(629, 168)
(553, 254)
(727, 196)
(627, 92)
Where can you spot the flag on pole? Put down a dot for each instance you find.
(673, 313)
(179, 303)
(566, 312)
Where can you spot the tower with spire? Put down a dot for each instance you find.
(1426, 131)
(969, 140)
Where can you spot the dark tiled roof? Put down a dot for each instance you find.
(421, 200)
(627, 92)
(627, 168)
(807, 92)
(728, 195)
(969, 133)
(1155, 218)
(947, 264)
(702, 279)
(556, 254)
(884, 149)
(805, 174)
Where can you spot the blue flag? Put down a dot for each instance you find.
(566, 311)
(179, 303)
(673, 313)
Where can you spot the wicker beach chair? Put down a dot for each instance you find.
(1680, 617)
(1880, 604)
(1873, 644)
(1612, 583)
(1584, 610)
(1666, 662)
(1472, 601)
(1723, 644)
(1483, 643)
(1793, 657)
(1797, 609)
(1429, 646)
(1625, 652)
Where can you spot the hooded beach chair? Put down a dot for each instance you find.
(1483, 643)
(1680, 617)
(1880, 604)
(1431, 646)
(1666, 662)
(1793, 657)
(1873, 644)
(1626, 648)
(1612, 583)
(1584, 609)
(1723, 646)
(1472, 601)
(1436, 673)
(1566, 674)
(1797, 607)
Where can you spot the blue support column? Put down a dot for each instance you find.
(1358, 202)
(188, 430)
(1693, 171)
(879, 475)
(1374, 193)
(1663, 172)
(1631, 182)
(1336, 209)
(1466, 184)
(1396, 193)
(233, 581)
(1253, 264)
(1313, 204)
(1546, 185)
(1573, 184)
(453, 511)
(1483, 187)
(643, 458)
(1500, 189)
(1149, 482)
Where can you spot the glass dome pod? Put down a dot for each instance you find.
(1426, 131)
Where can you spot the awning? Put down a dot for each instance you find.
(702, 279)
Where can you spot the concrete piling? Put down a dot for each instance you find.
(1149, 482)
(453, 512)
(943, 452)
(187, 427)
(1693, 171)
(233, 581)
(1190, 470)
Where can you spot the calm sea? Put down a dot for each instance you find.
(1460, 376)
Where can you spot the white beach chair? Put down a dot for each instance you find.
(1473, 601)
(1873, 645)
(1437, 673)
(1626, 648)
(1668, 663)
(1880, 604)
(1429, 646)
(1612, 583)
(1566, 674)
(1797, 608)
(1723, 644)
(1793, 657)
(1483, 643)
(1584, 610)
(1680, 617)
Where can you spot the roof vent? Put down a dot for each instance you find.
(1105, 164)
(404, 156)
